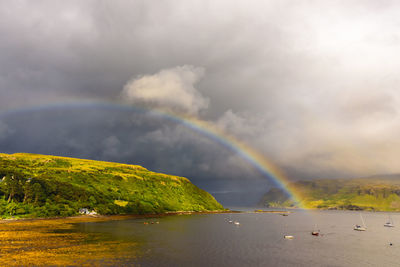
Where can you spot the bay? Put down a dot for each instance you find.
(210, 240)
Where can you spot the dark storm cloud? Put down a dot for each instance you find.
(311, 84)
(5, 130)
(135, 138)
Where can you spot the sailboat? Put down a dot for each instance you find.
(315, 232)
(359, 227)
(389, 223)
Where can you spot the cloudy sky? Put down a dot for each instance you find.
(311, 85)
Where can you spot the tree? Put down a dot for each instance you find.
(38, 193)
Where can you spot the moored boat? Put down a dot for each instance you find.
(358, 227)
(389, 223)
(315, 231)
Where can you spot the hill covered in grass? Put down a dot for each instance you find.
(46, 186)
(379, 193)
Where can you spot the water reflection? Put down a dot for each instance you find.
(210, 240)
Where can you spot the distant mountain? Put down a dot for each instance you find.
(42, 186)
(379, 193)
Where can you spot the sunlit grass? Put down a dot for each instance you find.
(48, 186)
(364, 194)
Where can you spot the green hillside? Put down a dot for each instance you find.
(45, 186)
(379, 193)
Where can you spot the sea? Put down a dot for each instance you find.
(258, 239)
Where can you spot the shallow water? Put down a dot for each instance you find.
(210, 240)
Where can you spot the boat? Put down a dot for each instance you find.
(285, 214)
(237, 223)
(358, 227)
(389, 223)
(288, 237)
(315, 233)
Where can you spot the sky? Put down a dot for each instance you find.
(311, 85)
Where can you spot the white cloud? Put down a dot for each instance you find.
(171, 89)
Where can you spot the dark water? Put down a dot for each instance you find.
(209, 240)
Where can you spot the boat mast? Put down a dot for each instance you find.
(363, 221)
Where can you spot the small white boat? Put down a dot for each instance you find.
(237, 223)
(389, 223)
(288, 237)
(359, 227)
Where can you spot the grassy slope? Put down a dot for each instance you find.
(377, 193)
(40, 186)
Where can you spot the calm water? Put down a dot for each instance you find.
(209, 240)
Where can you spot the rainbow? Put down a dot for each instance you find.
(209, 130)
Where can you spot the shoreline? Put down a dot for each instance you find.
(291, 209)
(101, 218)
(83, 218)
(271, 211)
(98, 218)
